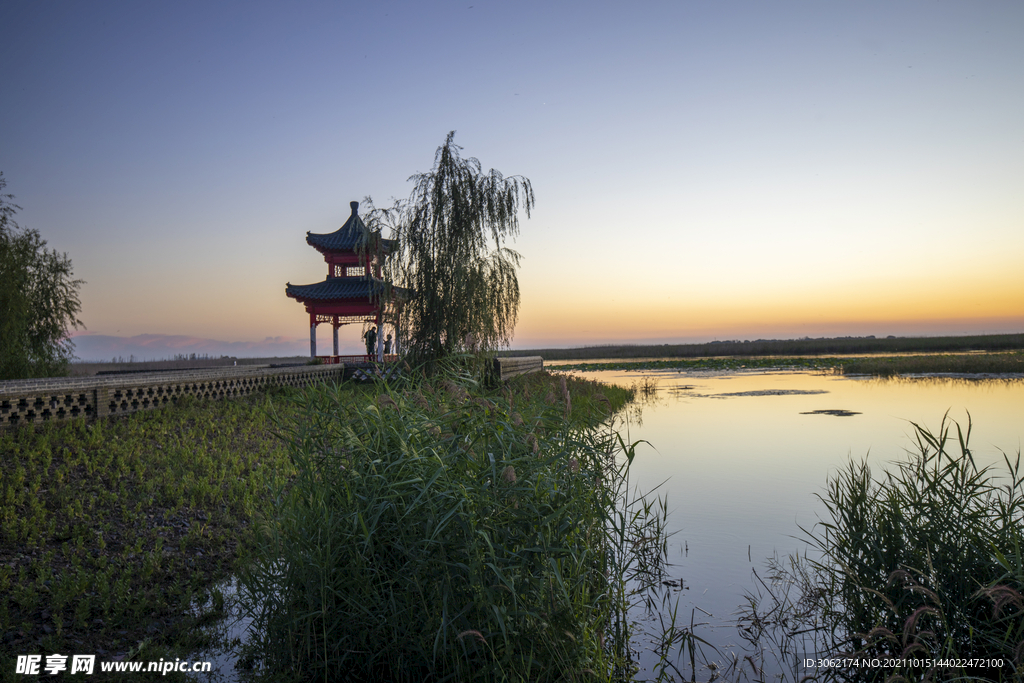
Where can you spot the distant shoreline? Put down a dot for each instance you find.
(785, 347)
(981, 364)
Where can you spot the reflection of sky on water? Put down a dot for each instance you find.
(742, 455)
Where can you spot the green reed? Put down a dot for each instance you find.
(440, 531)
(922, 565)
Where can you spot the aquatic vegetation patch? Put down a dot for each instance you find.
(773, 392)
(835, 412)
(965, 363)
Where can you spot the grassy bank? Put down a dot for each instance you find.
(443, 531)
(111, 529)
(787, 347)
(111, 532)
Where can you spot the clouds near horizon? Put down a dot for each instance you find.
(101, 347)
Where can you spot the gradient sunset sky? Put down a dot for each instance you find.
(703, 170)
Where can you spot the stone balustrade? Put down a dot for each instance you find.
(40, 400)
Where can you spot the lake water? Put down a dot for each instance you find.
(741, 455)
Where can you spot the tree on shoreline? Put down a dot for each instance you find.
(452, 255)
(39, 301)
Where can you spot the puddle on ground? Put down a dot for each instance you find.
(227, 635)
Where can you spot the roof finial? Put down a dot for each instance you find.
(355, 207)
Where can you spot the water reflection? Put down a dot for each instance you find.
(742, 455)
(225, 636)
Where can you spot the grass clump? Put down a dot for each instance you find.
(919, 569)
(438, 531)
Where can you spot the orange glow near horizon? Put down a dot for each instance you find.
(588, 311)
(901, 306)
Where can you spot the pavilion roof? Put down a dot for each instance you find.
(349, 237)
(343, 288)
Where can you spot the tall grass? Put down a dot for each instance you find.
(437, 533)
(922, 564)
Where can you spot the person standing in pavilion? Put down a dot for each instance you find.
(371, 341)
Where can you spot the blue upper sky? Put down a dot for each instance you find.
(702, 169)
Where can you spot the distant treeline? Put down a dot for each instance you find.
(786, 347)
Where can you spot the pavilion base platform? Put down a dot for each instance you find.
(365, 368)
(372, 372)
(346, 360)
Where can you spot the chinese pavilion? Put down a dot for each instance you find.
(353, 291)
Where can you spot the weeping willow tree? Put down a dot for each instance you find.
(452, 256)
